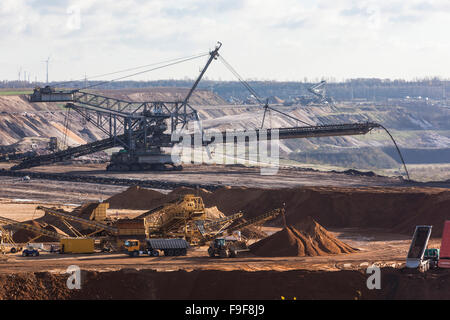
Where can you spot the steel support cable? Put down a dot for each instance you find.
(237, 75)
(247, 86)
(398, 150)
(145, 71)
(129, 69)
(66, 128)
(253, 92)
(289, 116)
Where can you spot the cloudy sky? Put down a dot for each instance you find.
(262, 39)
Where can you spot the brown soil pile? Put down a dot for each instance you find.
(24, 236)
(55, 224)
(34, 286)
(391, 209)
(306, 238)
(213, 213)
(85, 210)
(136, 198)
(253, 232)
(236, 285)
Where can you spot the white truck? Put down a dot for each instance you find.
(415, 258)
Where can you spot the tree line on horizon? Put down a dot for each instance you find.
(364, 88)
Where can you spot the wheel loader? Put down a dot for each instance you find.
(227, 247)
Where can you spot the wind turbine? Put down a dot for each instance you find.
(47, 62)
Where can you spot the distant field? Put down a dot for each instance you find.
(16, 92)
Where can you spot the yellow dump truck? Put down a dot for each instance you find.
(152, 247)
(77, 245)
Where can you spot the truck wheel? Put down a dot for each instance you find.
(183, 252)
(13, 250)
(135, 253)
(211, 252)
(35, 254)
(24, 254)
(155, 253)
(233, 254)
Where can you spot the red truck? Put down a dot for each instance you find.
(444, 259)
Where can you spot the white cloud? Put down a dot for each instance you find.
(284, 40)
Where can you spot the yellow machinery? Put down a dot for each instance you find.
(99, 213)
(21, 225)
(67, 216)
(176, 219)
(7, 243)
(153, 247)
(77, 245)
(184, 218)
(132, 245)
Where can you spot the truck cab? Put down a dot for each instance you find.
(432, 255)
(133, 247)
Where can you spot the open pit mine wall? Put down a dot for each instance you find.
(214, 284)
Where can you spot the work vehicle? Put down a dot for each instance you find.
(145, 130)
(77, 245)
(444, 252)
(7, 243)
(30, 252)
(152, 247)
(415, 258)
(227, 247)
(432, 255)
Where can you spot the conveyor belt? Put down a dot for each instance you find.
(89, 223)
(66, 154)
(283, 133)
(21, 225)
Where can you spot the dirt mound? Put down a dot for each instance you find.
(237, 285)
(213, 213)
(85, 210)
(252, 232)
(136, 198)
(34, 286)
(306, 238)
(24, 236)
(391, 209)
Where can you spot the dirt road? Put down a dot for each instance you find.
(383, 249)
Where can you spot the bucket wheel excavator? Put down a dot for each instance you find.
(144, 129)
(141, 129)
